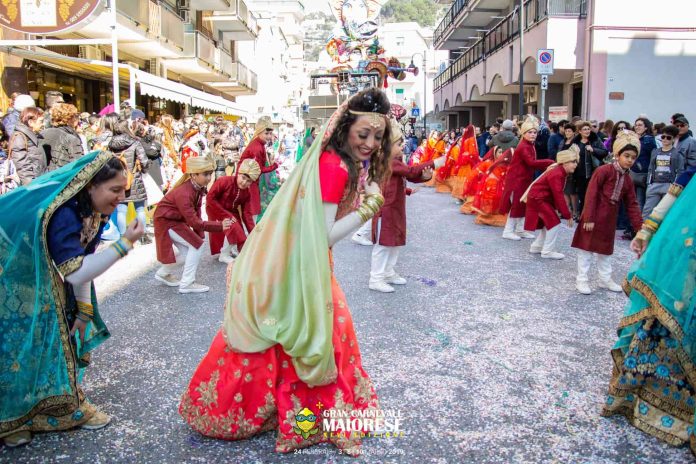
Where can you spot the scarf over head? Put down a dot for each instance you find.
(529, 124)
(262, 125)
(624, 140)
(251, 168)
(279, 290)
(195, 165)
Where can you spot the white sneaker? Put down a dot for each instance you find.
(552, 255)
(360, 240)
(381, 287)
(227, 259)
(233, 252)
(396, 279)
(525, 234)
(583, 287)
(194, 288)
(535, 250)
(168, 280)
(610, 285)
(511, 236)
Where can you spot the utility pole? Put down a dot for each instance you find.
(521, 31)
(114, 59)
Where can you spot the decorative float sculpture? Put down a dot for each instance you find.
(355, 49)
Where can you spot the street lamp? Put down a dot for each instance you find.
(425, 81)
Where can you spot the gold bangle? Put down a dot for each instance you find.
(128, 243)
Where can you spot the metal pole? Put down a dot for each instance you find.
(521, 30)
(543, 105)
(425, 96)
(114, 59)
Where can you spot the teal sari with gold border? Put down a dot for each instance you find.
(40, 363)
(654, 378)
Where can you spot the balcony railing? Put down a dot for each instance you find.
(199, 46)
(172, 27)
(550, 7)
(505, 32)
(448, 19)
(135, 10)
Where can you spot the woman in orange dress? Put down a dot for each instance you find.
(287, 357)
(488, 199)
(435, 148)
(464, 164)
(475, 180)
(442, 175)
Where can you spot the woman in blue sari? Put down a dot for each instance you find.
(49, 319)
(654, 377)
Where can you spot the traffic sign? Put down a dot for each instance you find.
(544, 61)
(415, 112)
(544, 82)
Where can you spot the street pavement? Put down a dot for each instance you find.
(488, 353)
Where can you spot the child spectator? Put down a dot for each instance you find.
(665, 165)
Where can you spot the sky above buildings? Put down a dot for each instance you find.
(313, 6)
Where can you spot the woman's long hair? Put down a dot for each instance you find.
(373, 101)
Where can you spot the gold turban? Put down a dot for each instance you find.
(529, 124)
(566, 156)
(625, 139)
(396, 132)
(199, 164)
(262, 124)
(251, 168)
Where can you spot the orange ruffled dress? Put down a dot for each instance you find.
(489, 197)
(233, 396)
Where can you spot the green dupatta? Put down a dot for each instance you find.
(662, 283)
(280, 285)
(39, 366)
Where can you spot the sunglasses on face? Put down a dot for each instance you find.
(667, 137)
(680, 125)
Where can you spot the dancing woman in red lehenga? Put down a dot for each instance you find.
(287, 350)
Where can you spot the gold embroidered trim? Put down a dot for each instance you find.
(71, 265)
(61, 405)
(675, 190)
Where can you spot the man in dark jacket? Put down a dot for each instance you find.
(686, 144)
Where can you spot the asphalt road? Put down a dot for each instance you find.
(488, 353)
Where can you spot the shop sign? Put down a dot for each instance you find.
(558, 113)
(44, 17)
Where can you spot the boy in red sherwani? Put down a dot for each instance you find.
(545, 200)
(519, 177)
(256, 150)
(389, 225)
(178, 224)
(610, 184)
(229, 198)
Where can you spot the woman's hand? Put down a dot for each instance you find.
(427, 173)
(372, 188)
(79, 326)
(638, 246)
(571, 222)
(227, 223)
(589, 148)
(134, 231)
(588, 226)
